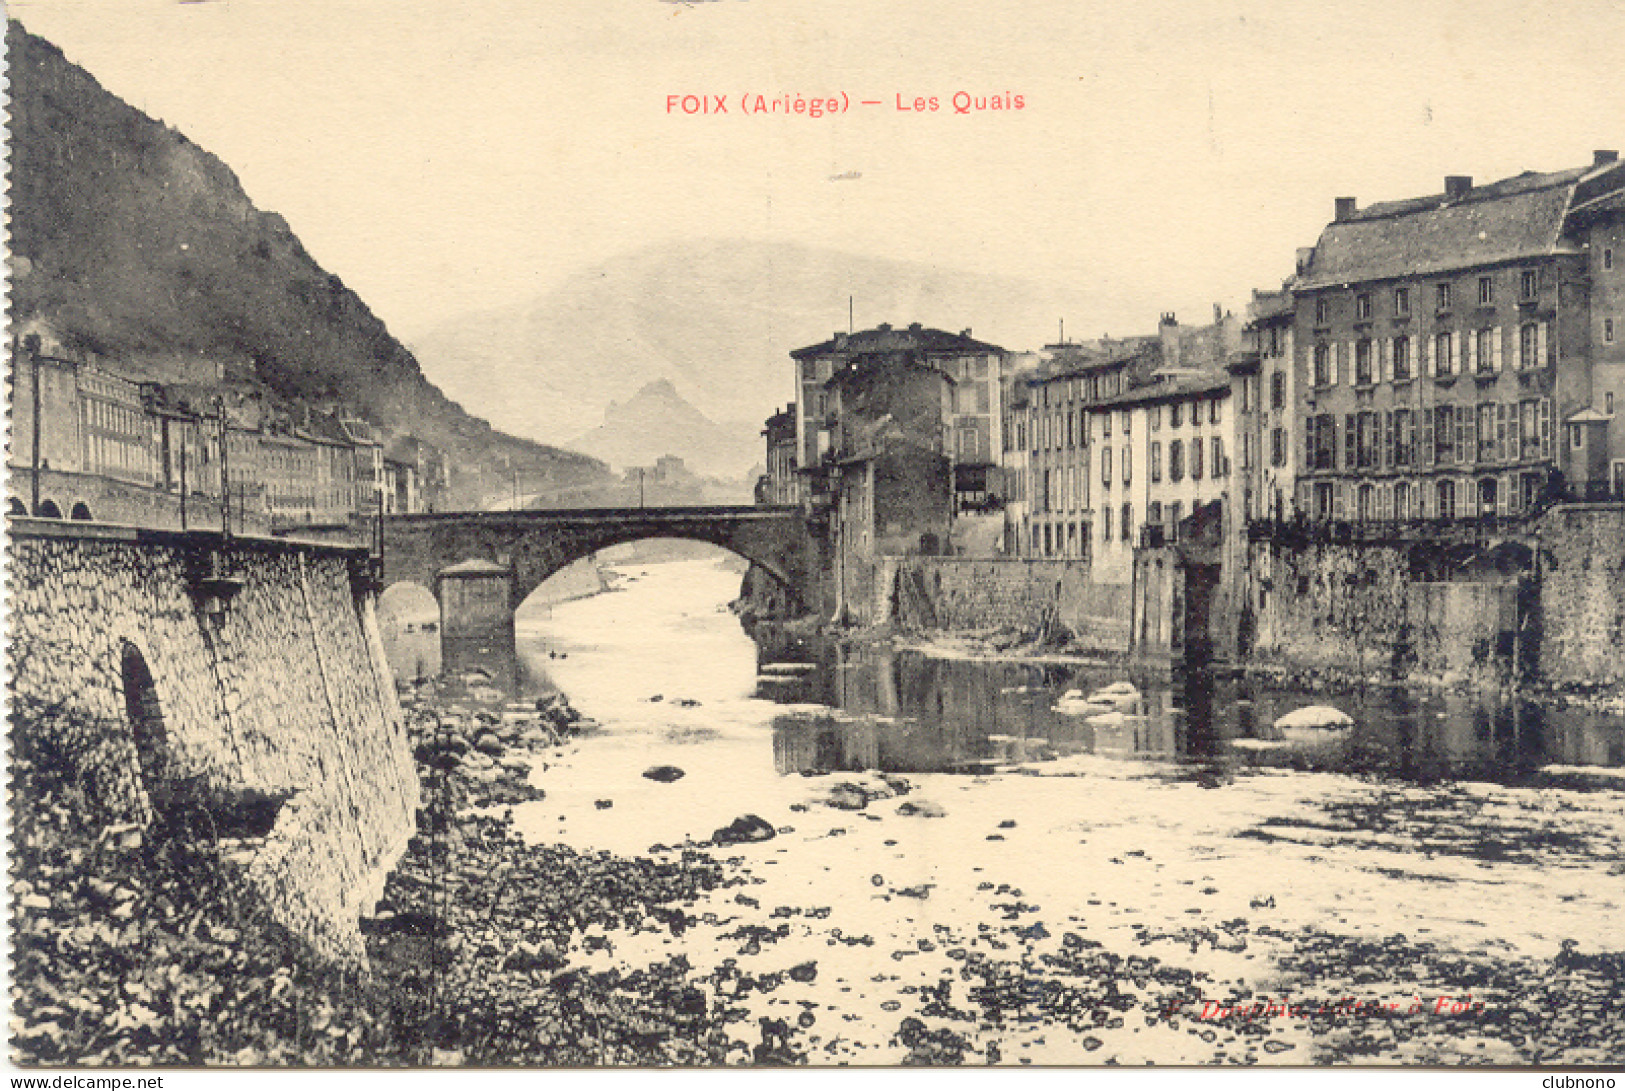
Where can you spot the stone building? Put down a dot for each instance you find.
(972, 431)
(781, 484)
(1442, 342)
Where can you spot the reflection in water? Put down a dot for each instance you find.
(904, 711)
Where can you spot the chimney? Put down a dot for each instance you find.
(884, 327)
(1343, 209)
(1218, 314)
(1456, 186)
(1168, 331)
(1604, 156)
(914, 327)
(965, 332)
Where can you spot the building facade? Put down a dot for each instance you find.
(1443, 342)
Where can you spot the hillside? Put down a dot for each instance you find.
(718, 318)
(138, 245)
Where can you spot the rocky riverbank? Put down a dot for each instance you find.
(133, 945)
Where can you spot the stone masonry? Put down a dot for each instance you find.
(272, 683)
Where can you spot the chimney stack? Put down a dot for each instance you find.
(1456, 186)
(1604, 156)
(1343, 209)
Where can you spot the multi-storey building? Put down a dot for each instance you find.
(1262, 395)
(781, 484)
(1162, 451)
(974, 426)
(1101, 413)
(1441, 342)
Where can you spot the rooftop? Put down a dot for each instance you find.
(1516, 218)
(884, 338)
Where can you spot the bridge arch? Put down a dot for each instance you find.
(48, 510)
(14, 506)
(145, 715)
(80, 512)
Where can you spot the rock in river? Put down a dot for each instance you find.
(665, 774)
(748, 827)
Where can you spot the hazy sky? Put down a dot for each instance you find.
(442, 157)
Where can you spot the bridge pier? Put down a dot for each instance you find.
(476, 617)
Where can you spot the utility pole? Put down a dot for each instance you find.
(224, 430)
(183, 479)
(31, 346)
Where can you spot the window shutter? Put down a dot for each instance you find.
(1337, 361)
(1455, 355)
(1496, 340)
(1545, 424)
(1501, 452)
(1540, 345)
(1503, 496)
(1469, 351)
(1424, 457)
(1385, 371)
(1388, 439)
(1469, 433)
(1349, 436)
(1309, 443)
(1424, 358)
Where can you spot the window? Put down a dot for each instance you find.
(1323, 442)
(1486, 291)
(1106, 424)
(1362, 363)
(1577, 437)
(1106, 466)
(1607, 258)
(1488, 450)
(1444, 431)
(1402, 359)
(1444, 356)
(1218, 457)
(1128, 462)
(1128, 521)
(1441, 296)
(1528, 282)
(1323, 365)
(1176, 460)
(1277, 389)
(1174, 415)
(1213, 411)
(1402, 302)
(1609, 403)
(1362, 307)
(1322, 310)
(1278, 447)
(1196, 460)
(1365, 504)
(1365, 440)
(1608, 331)
(1402, 500)
(1153, 512)
(1446, 492)
(1124, 419)
(1155, 414)
(1175, 513)
(1404, 437)
(1106, 524)
(1484, 351)
(1156, 462)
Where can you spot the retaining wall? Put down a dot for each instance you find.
(283, 691)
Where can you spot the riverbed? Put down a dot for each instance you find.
(964, 870)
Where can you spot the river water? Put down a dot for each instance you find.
(952, 832)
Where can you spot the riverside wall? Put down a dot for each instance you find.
(1582, 594)
(1546, 602)
(269, 686)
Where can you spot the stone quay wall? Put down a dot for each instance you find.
(1582, 593)
(1039, 597)
(275, 687)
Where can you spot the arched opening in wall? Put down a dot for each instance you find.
(409, 623)
(15, 506)
(80, 512)
(48, 510)
(147, 731)
(641, 628)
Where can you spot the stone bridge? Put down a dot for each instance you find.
(482, 565)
